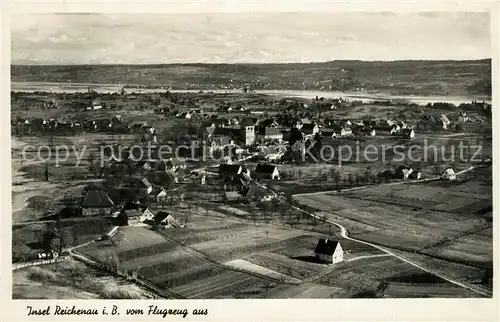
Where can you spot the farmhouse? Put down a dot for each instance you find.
(229, 170)
(96, 202)
(132, 214)
(388, 130)
(146, 215)
(256, 192)
(341, 132)
(415, 175)
(408, 133)
(328, 133)
(267, 171)
(174, 164)
(269, 134)
(329, 251)
(161, 196)
(309, 129)
(96, 105)
(222, 131)
(449, 174)
(366, 131)
(163, 218)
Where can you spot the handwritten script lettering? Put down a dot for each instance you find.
(153, 310)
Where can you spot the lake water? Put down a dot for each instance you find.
(361, 96)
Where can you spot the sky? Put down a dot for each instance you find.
(247, 37)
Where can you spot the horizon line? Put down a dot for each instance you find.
(260, 63)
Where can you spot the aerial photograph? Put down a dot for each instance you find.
(251, 155)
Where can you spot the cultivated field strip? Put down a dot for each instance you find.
(251, 237)
(145, 251)
(316, 291)
(305, 290)
(191, 237)
(292, 267)
(222, 285)
(183, 261)
(177, 278)
(161, 257)
(415, 290)
(253, 268)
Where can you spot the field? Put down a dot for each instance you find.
(400, 77)
(446, 221)
(363, 277)
(219, 256)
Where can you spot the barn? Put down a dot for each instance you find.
(96, 202)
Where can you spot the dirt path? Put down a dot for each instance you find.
(344, 234)
(367, 256)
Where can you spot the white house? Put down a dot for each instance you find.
(329, 251)
(96, 105)
(445, 121)
(267, 171)
(147, 214)
(344, 131)
(408, 133)
(449, 174)
(161, 196)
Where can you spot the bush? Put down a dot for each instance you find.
(111, 290)
(43, 275)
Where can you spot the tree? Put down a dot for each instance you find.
(323, 218)
(298, 214)
(314, 222)
(253, 215)
(350, 179)
(382, 287)
(46, 171)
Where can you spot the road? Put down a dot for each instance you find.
(344, 233)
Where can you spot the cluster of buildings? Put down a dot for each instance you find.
(247, 131)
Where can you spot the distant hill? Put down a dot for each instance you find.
(395, 77)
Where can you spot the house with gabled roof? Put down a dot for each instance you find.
(222, 131)
(269, 134)
(266, 171)
(175, 164)
(229, 170)
(329, 251)
(309, 129)
(163, 218)
(408, 133)
(256, 192)
(96, 202)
